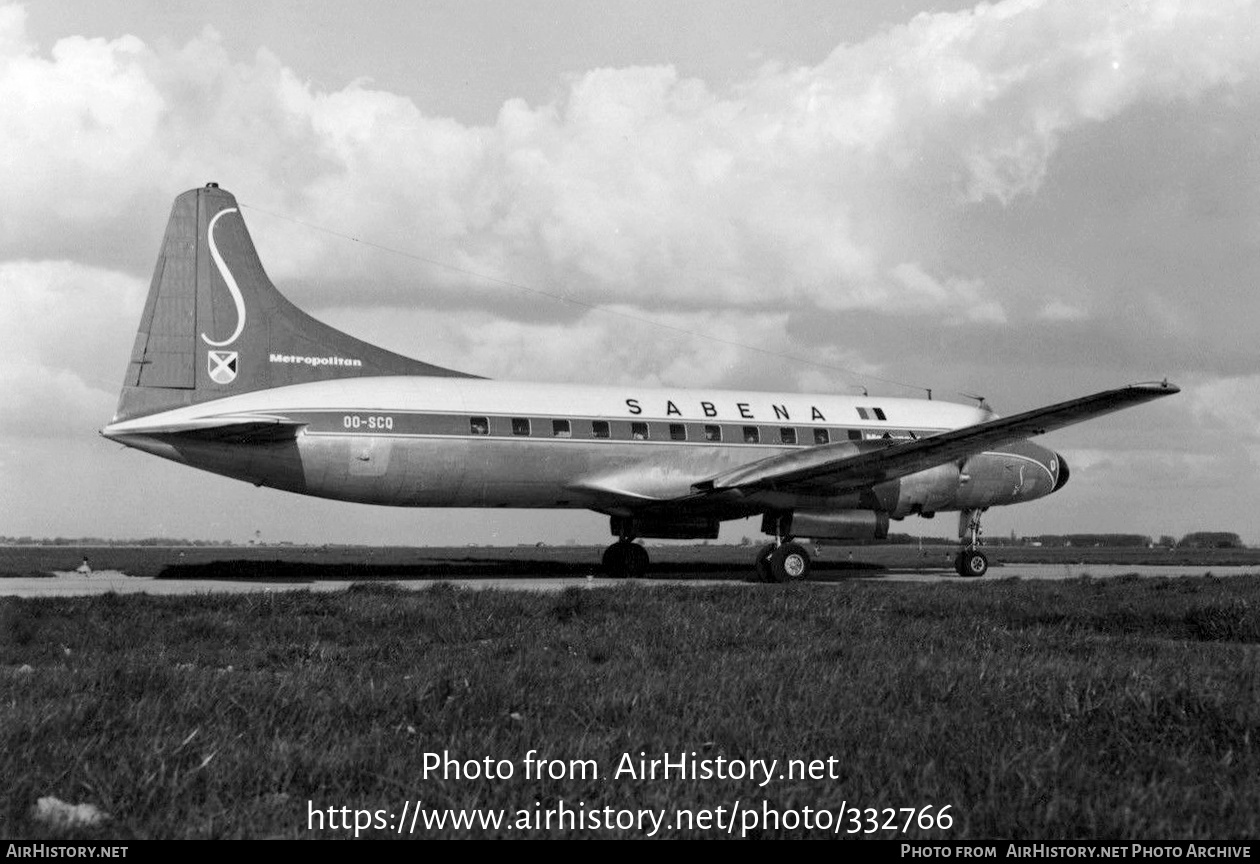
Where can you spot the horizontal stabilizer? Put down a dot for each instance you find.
(235, 428)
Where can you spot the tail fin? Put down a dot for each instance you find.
(215, 326)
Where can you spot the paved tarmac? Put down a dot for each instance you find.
(73, 584)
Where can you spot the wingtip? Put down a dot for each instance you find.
(1163, 388)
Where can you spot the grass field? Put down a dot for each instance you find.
(1122, 708)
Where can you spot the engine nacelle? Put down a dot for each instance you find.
(828, 524)
(927, 491)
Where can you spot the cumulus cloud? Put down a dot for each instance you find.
(1126, 469)
(802, 187)
(624, 347)
(1233, 402)
(67, 330)
(639, 186)
(1231, 407)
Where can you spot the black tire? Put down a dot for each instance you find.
(789, 563)
(625, 560)
(614, 561)
(973, 564)
(762, 562)
(636, 561)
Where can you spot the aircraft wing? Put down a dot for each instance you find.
(835, 468)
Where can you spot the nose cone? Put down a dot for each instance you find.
(1063, 473)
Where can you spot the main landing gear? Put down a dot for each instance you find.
(625, 559)
(782, 562)
(970, 561)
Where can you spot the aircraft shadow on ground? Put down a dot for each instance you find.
(480, 568)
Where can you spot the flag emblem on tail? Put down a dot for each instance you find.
(222, 366)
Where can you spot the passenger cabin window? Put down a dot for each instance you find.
(561, 429)
(821, 436)
(639, 431)
(855, 435)
(479, 425)
(879, 413)
(520, 426)
(751, 435)
(787, 435)
(677, 432)
(599, 429)
(864, 414)
(712, 433)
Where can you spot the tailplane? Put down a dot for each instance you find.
(215, 326)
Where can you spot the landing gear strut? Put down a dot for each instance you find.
(625, 559)
(970, 561)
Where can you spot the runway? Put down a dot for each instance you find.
(73, 584)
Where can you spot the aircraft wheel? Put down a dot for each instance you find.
(614, 561)
(625, 560)
(789, 563)
(972, 563)
(636, 561)
(762, 563)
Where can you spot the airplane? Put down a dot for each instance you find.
(229, 376)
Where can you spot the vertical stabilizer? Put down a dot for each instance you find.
(215, 326)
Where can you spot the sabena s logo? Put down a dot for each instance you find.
(228, 280)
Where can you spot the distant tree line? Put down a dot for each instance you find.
(1193, 540)
(1211, 540)
(102, 541)
(1115, 540)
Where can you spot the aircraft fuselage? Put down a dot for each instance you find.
(414, 441)
(228, 375)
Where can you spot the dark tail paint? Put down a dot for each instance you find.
(215, 326)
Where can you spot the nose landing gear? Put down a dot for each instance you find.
(972, 563)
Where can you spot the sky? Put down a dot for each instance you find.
(1025, 200)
